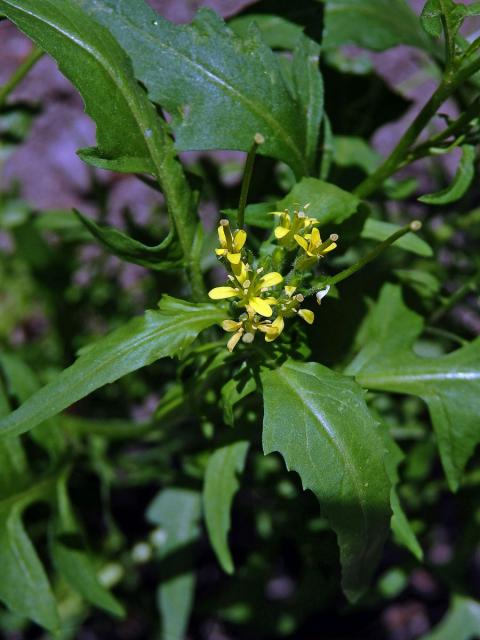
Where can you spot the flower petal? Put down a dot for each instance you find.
(278, 324)
(260, 306)
(315, 238)
(219, 293)
(239, 239)
(330, 247)
(281, 232)
(307, 315)
(301, 241)
(231, 325)
(222, 237)
(234, 258)
(232, 343)
(289, 290)
(220, 252)
(271, 279)
(240, 271)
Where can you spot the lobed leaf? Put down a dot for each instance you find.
(220, 89)
(450, 385)
(318, 421)
(157, 334)
(220, 487)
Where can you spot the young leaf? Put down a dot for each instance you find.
(220, 89)
(462, 621)
(373, 24)
(157, 334)
(166, 255)
(24, 586)
(328, 203)
(462, 180)
(450, 385)
(221, 485)
(71, 559)
(177, 511)
(318, 421)
(379, 230)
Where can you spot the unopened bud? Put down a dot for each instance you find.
(416, 225)
(224, 222)
(333, 237)
(248, 338)
(299, 297)
(259, 139)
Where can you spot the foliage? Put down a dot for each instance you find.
(344, 360)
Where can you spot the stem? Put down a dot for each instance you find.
(449, 41)
(450, 302)
(19, 74)
(455, 127)
(247, 176)
(346, 273)
(446, 88)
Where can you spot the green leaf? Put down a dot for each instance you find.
(328, 203)
(221, 484)
(373, 24)
(462, 621)
(71, 559)
(399, 523)
(308, 85)
(450, 384)
(24, 586)
(130, 134)
(233, 391)
(318, 421)
(461, 182)
(220, 89)
(14, 471)
(91, 58)
(452, 12)
(166, 255)
(21, 384)
(379, 230)
(157, 334)
(276, 31)
(177, 511)
(354, 151)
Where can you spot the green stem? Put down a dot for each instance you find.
(449, 84)
(453, 129)
(247, 177)
(449, 303)
(19, 74)
(346, 273)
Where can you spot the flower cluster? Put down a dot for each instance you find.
(264, 303)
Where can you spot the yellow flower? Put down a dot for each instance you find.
(290, 226)
(272, 329)
(313, 246)
(249, 290)
(231, 244)
(238, 329)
